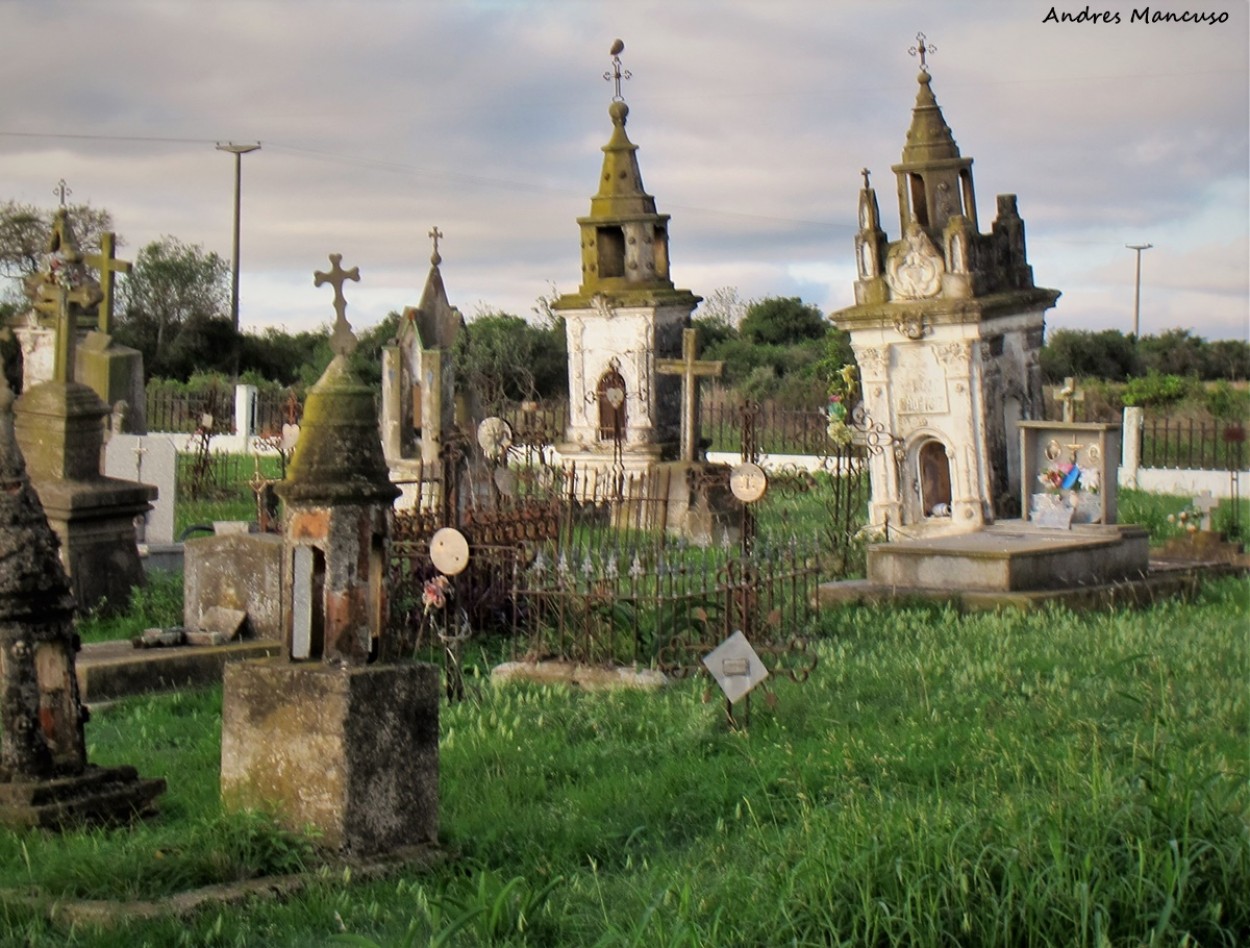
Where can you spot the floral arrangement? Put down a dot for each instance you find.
(1066, 475)
(842, 393)
(436, 593)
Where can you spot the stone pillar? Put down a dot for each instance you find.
(1131, 445)
(432, 399)
(392, 403)
(244, 412)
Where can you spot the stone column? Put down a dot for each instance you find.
(1131, 445)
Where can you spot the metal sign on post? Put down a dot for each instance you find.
(736, 667)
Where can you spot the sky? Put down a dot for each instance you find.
(380, 119)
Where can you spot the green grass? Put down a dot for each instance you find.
(1015, 779)
(156, 605)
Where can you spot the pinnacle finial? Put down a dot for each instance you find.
(922, 47)
(435, 258)
(616, 73)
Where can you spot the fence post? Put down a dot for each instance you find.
(1130, 446)
(244, 412)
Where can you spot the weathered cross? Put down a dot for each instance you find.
(342, 340)
(690, 369)
(865, 172)
(1205, 504)
(1069, 395)
(108, 266)
(922, 46)
(436, 258)
(66, 338)
(616, 74)
(62, 189)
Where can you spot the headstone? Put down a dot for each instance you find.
(334, 735)
(1206, 505)
(152, 460)
(243, 573)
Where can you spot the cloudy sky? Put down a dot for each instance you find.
(380, 119)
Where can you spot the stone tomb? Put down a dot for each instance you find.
(334, 734)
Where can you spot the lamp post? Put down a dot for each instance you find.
(1137, 289)
(238, 151)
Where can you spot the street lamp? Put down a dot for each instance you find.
(238, 151)
(1137, 289)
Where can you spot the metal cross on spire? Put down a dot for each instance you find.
(922, 46)
(342, 340)
(435, 257)
(616, 74)
(63, 190)
(865, 172)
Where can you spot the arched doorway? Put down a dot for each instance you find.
(612, 414)
(935, 479)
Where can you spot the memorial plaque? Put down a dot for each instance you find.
(735, 666)
(449, 551)
(748, 482)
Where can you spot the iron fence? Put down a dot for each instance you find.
(1193, 445)
(180, 411)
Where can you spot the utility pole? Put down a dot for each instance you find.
(238, 151)
(1137, 289)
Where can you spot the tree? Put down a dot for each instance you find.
(1109, 355)
(24, 233)
(503, 357)
(781, 320)
(170, 285)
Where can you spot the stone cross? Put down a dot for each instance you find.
(690, 369)
(1205, 504)
(342, 340)
(1069, 395)
(108, 266)
(66, 338)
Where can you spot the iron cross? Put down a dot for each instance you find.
(922, 46)
(616, 74)
(63, 190)
(865, 172)
(342, 340)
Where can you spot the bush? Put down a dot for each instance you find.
(1156, 391)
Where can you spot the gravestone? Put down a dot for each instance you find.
(421, 402)
(1074, 463)
(112, 371)
(59, 424)
(45, 779)
(151, 460)
(335, 734)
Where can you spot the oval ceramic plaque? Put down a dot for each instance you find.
(506, 481)
(748, 482)
(494, 435)
(449, 551)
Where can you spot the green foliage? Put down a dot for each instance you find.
(155, 605)
(1081, 353)
(777, 321)
(1113, 356)
(174, 307)
(1156, 391)
(1227, 403)
(502, 357)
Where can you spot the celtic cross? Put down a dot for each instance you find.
(922, 46)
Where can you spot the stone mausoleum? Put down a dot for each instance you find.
(625, 317)
(947, 329)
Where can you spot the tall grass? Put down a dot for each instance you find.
(1016, 779)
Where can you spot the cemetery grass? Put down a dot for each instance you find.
(1015, 779)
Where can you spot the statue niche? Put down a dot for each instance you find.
(612, 414)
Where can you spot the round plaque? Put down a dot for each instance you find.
(748, 482)
(494, 435)
(449, 551)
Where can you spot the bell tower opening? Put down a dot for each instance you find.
(611, 241)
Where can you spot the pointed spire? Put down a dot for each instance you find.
(929, 138)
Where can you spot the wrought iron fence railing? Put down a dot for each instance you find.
(1193, 445)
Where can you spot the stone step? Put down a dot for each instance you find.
(111, 670)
